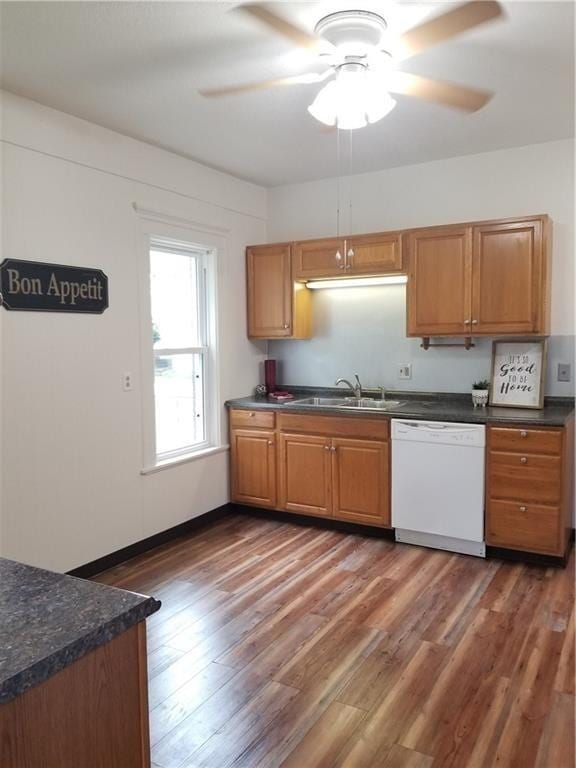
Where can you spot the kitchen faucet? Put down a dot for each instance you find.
(356, 388)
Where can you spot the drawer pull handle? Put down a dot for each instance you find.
(524, 460)
(523, 433)
(522, 509)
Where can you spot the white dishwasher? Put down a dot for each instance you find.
(438, 485)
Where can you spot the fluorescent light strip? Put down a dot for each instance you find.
(358, 282)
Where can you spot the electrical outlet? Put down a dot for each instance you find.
(564, 372)
(127, 384)
(405, 371)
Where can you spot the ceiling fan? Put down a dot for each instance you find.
(361, 70)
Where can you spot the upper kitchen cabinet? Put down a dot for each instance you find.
(510, 280)
(490, 278)
(379, 254)
(317, 259)
(277, 306)
(439, 281)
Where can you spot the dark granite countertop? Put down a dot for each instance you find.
(420, 405)
(48, 621)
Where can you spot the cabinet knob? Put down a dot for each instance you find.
(251, 414)
(523, 433)
(524, 460)
(522, 509)
(326, 447)
(333, 448)
(474, 322)
(270, 442)
(286, 325)
(467, 322)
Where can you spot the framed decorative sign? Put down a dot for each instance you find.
(37, 286)
(518, 373)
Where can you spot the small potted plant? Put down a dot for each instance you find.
(480, 393)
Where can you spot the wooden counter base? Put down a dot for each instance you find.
(92, 714)
(339, 468)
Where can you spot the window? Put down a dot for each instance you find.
(180, 332)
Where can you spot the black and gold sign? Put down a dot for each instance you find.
(41, 287)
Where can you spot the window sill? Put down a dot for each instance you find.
(177, 460)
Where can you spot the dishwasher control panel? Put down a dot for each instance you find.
(446, 433)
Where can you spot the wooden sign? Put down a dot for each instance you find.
(518, 373)
(36, 286)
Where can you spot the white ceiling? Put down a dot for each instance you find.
(134, 67)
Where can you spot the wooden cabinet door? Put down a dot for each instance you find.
(361, 481)
(317, 258)
(304, 474)
(253, 467)
(508, 282)
(439, 281)
(268, 270)
(374, 254)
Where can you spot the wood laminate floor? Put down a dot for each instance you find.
(283, 645)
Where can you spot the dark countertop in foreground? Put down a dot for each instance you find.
(423, 406)
(48, 621)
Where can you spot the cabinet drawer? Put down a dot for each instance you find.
(264, 419)
(334, 426)
(546, 441)
(524, 477)
(530, 527)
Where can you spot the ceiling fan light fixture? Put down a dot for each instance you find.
(353, 100)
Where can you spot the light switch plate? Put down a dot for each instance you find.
(564, 372)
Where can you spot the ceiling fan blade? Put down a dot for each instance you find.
(230, 90)
(266, 15)
(448, 25)
(439, 91)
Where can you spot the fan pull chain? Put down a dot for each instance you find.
(338, 255)
(350, 251)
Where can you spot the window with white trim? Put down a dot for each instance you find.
(180, 303)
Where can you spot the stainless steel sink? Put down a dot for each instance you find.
(364, 404)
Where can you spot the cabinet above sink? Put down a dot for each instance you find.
(357, 256)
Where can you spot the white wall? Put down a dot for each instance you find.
(72, 439)
(363, 330)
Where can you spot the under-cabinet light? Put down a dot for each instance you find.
(358, 282)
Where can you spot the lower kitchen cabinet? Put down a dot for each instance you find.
(253, 467)
(360, 481)
(321, 465)
(334, 477)
(529, 488)
(304, 471)
(339, 467)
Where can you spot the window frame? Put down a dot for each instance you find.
(205, 248)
